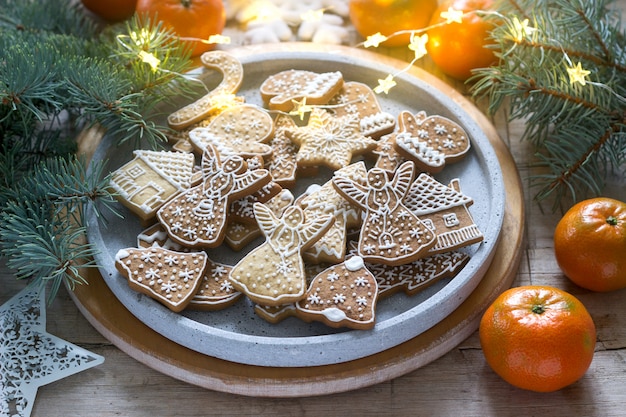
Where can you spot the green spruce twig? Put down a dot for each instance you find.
(576, 126)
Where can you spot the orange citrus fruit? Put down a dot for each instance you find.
(390, 16)
(111, 10)
(590, 244)
(458, 48)
(538, 338)
(197, 19)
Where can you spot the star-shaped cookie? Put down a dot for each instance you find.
(329, 140)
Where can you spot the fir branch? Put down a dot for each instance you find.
(41, 223)
(577, 128)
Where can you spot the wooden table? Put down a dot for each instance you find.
(459, 383)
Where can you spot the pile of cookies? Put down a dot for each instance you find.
(380, 224)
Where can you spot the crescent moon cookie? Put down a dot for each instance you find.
(273, 273)
(232, 76)
(431, 142)
(172, 278)
(344, 295)
(281, 90)
(197, 217)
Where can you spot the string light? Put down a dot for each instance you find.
(452, 15)
(374, 40)
(577, 74)
(521, 30)
(301, 108)
(150, 59)
(384, 85)
(418, 45)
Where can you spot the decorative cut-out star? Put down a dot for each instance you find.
(330, 140)
(29, 356)
(577, 74)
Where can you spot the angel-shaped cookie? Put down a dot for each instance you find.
(390, 233)
(197, 217)
(273, 273)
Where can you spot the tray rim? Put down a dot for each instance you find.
(277, 381)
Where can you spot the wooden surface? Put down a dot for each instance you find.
(459, 383)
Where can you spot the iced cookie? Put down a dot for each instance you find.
(283, 164)
(240, 130)
(172, 278)
(273, 273)
(239, 234)
(413, 277)
(344, 295)
(145, 183)
(215, 292)
(324, 199)
(359, 100)
(445, 210)
(280, 91)
(197, 217)
(387, 156)
(391, 234)
(330, 141)
(431, 142)
(275, 314)
(214, 101)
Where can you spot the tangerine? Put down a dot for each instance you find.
(191, 19)
(538, 338)
(590, 244)
(111, 10)
(390, 16)
(458, 48)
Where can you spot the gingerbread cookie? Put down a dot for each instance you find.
(387, 156)
(391, 234)
(239, 234)
(358, 99)
(214, 101)
(431, 142)
(215, 292)
(445, 210)
(240, 130)
(275, 314)
(273, 273)
(145, 183)
(283, 164)
(417, 275)
(320, 200)
(329, 140)
(281, 90)
(172, 278)
(344, 295)
(197, 217)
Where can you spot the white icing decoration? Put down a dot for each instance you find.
(354, 264)
(334, 314)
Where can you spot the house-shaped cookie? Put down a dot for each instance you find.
(445, 210)
(146, 182)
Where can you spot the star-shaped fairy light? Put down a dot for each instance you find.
(330, 140)
(521, 29)
(418, 45)
(384, 85)
(29, 356)
(452, 15)
(374, 40)
(577, 74)
(300, 108)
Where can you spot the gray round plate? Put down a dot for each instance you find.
(237, 334)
